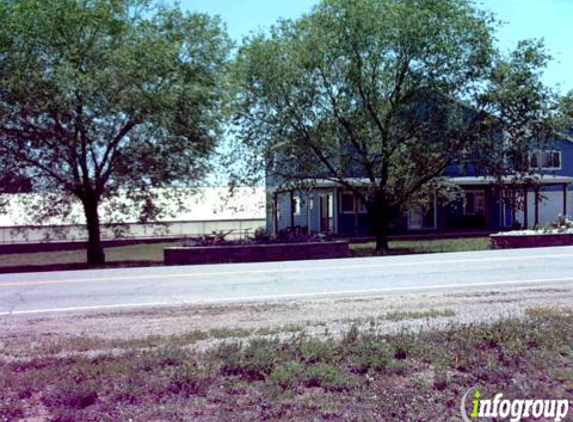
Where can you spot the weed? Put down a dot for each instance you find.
(407, 315)
(329, 377)
(223, 333)
(288, 374)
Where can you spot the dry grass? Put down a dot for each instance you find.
(363, 376)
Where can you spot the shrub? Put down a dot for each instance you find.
(313, 351)
(189, 380)
(288, 374)
(329, 377)
(370, 354)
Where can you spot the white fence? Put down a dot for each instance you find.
(234, 229)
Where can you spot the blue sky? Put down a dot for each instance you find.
(551, 20)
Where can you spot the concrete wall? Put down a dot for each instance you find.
(77, 233)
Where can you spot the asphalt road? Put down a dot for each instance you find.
(37, 293)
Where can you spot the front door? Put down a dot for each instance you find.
(326, 213)
(420, 218)
(415, 218)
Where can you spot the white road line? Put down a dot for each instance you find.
(272, 298)
(299, 269)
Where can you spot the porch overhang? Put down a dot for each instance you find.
(524, 180)
(510, 180)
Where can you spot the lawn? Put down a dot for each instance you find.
(146, 252)
(359, 376)
(153, 253)
(425, 246)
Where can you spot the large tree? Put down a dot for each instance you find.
(369, 89)
(521, 118)
(521, 112)
(382, 96)
(104, 99)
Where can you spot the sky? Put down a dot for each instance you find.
(551, 20)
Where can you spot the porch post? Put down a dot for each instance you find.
(513, 206)
(308, 230)
(501, 208)
(335, 210)
(564, 199)
(537, 206)
(355, 201)
(276, 213)
(292, 209)
(525, 208)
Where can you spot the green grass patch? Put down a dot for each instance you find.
(144, 252)
(408, 315)
(153, 253)
(424, 246)
(223, 333)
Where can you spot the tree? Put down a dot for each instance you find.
(566, 111)
(380, 90)
(521, 119)
(102, 99)
(519, 107)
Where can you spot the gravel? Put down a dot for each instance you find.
(324, 317)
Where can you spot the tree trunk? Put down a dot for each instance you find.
(379, 214)
(95, 253)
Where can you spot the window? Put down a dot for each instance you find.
(546, 160)
(349, 203)
(296, 205)
(474, 203)
(362, 208)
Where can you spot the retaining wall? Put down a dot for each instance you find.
(531, 241)
(255, 253)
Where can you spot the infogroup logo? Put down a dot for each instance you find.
(513, 410)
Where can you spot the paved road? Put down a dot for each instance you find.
(37, 293)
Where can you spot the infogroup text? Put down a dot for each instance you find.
(513, 410)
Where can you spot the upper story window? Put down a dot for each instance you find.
(545, 160)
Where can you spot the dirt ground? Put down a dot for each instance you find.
(354, 359)
(392, 312)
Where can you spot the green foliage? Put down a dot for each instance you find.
(288, 374)
(566, 111)
(521, 107)
(408, 315)
(370, 354)
(365, 88)
(104, 99)
(329, 377)
(189, 380)
(389, 91)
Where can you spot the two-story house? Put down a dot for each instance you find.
(485, 203)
